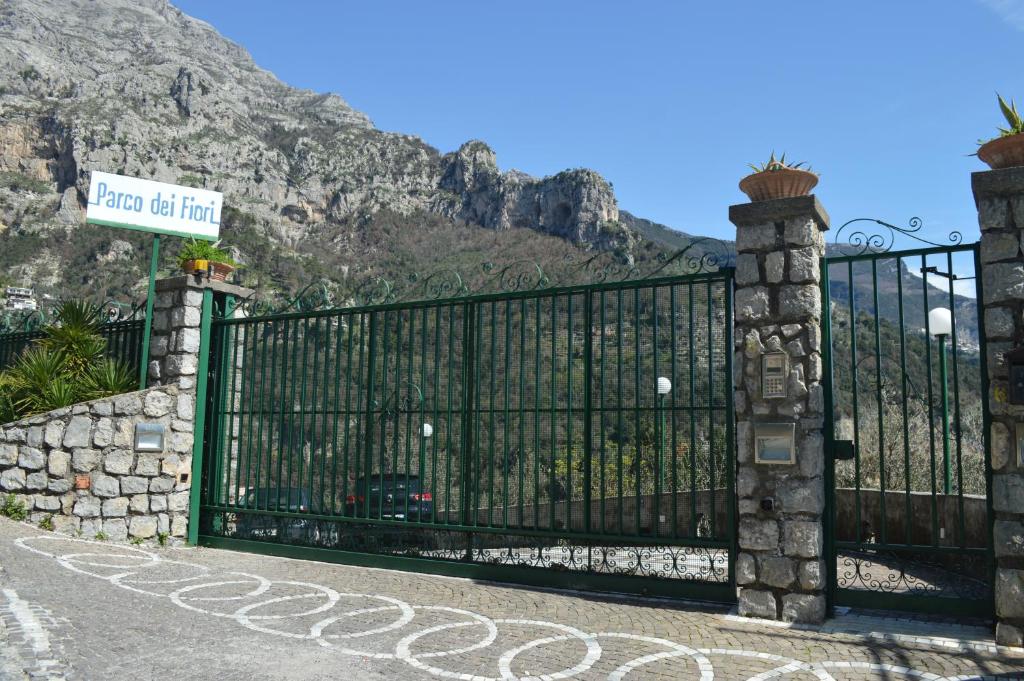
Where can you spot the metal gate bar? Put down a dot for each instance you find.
(909, 512)
(518, 430)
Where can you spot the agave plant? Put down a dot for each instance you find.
(777, 164)
(1013, 119)
(67, 365)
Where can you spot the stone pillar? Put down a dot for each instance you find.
(778, 308)
(174, 345)
(999, 195)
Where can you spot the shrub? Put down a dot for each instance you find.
(196, 249)
(63, 367)
(46, 523)
(13, 509)
(161, 538)
(101, 536)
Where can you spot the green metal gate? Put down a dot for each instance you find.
(909, 509)
(578, 436)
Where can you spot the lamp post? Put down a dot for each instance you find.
(664, 388)
(940, 324)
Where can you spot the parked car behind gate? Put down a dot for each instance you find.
(394, 496)
(284, 499)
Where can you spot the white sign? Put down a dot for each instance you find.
(148, 206)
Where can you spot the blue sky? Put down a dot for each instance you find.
(671, 100)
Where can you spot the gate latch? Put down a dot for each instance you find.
(842, 450)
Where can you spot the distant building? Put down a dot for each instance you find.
(20, 299)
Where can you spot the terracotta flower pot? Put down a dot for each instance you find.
(1003, 152)
(217, 270)
(778, 184)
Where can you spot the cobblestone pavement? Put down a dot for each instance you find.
(77, 609)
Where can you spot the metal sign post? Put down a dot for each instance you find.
(154, 260)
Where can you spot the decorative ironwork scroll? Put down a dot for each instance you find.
(863, 239)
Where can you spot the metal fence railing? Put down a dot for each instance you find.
(124, 343)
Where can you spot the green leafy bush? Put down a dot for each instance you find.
(46, 523)
(196, 249)
(65, 366)
(13, 509)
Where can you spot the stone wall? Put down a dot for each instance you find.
(999, 195)
(779, 570)
(77, 466)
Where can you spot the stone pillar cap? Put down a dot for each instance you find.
(763, 212)
(196, 282)
(1005, 182)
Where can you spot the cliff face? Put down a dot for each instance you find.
(139, 88)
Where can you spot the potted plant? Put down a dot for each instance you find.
(200, 257)
(1007, 150)
(777, 179)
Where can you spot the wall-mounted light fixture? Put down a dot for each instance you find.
(149, 437)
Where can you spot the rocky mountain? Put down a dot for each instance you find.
(139, 88)
(313, 191)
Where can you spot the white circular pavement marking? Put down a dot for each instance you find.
(132, 563)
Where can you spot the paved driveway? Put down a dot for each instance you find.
(79, 609)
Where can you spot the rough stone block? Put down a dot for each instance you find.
(87, 507)
(158, 404)
(66, 524)
(756, 238)
(178, 501)
(803, 608)
(103, 435)
(1009, 635)
(16, 435)
(132, 484)
(179, 526)
(148, 465)
(180, 442)
(104, 485)
(1008, 493)
(759, 535)
(53, 436)
(34, 436)
(185, 407)
(103, 408)
(802, 231)
(775, 267)
(185, 317)
(58, 463)
(77, 432)
(747, 271)
(746, 482)
(999, 323)
(36, 480)
(139, 503)
(1010, 593)
(797, 495)
(128, 404)
(1008, 538)
(116, 529)
(187, 341)
(746, 569)
(91, 527)
(996, 246)
(180, 365)
(751, 304)
(1003, 282)
(47, 502)
(118, 462)
(163, 523)
(161, 485)
(755, 603)
(157, 502)
(777, 571)
(58, 486)
(799, 301)
(801, 538)
(12, 479)
(142, 526)
(84, 460)
(31, 458)
(8, 454)
(158, 346)
(811, 575)
(115, 508)
(124, 434)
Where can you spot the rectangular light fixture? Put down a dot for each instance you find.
(773, 443)
(149, 437)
